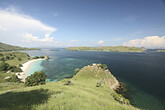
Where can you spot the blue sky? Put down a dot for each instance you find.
(65, 23)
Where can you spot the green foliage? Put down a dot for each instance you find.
(14, 78)
(103, 66)
(7, 57)
(90, 64)
(19, 59)
(20, 65)
(37, 78)
(2, 59)
(68, 82)
(120, 98)
(108, 48)
(6, 47)
(41, 56)
(77, 70)
(36, 57)
(1, 55)
(15, 69)
(4, 66)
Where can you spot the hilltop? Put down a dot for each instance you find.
(92, 88)
(108, 48)
(7, 47)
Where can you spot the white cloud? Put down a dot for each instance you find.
(74, 41)
(30, 38)
(14, 24)
(100, 42)
(147, 42)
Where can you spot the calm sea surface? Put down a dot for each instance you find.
(144, 73)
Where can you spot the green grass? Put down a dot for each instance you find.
(82, 94)
(108, 48)
(6, 47)
(16, 55)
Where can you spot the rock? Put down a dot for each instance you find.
(46, 57)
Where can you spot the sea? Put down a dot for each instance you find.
(142, 72)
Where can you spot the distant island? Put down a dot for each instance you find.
(108, 48)
(160, 50)
(6, 47)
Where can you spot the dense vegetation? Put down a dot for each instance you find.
(78, 93)
(108, 48)
(6, 47)
(37, 78)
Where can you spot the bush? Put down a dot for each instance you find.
(36, 57)
(14, 78)
(120, 98)
(103, 66)
(77, 70)
(37, 78)
(19, 59)
(42, 57)
(20, 65)
(68, 82)
(7, 57)
(4, 66)
(2, 59)
(15, 69)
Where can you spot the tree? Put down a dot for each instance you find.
(37, 78)
(103, 66)
(14, 78)
(19, 59)
(4, 66)
(77, 70)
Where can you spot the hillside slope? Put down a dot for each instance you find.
(6, 47)
(78, 93)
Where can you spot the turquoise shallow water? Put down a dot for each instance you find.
(36, 66)
(144, 73)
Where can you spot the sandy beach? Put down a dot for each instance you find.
(25, 68)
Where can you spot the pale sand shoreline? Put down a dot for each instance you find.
(25, 68)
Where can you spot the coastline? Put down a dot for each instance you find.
(25, 67)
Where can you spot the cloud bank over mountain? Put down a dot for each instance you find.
(152, 42)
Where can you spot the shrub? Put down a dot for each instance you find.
(120, 98)
(15, 69)
(103, 66)
(7, 57)
(77, 70)
(36, 57)
(1, 55)
(42, 57)
(4, 66)
(19, 59)
(2, 59)
(68, 82)
(20, 65)
(37, 78)
(14, 78)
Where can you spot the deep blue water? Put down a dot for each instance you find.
(144, 73)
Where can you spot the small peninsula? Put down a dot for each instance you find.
(108, 48)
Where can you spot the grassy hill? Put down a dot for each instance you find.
(78, 93)
(6, 47)
(108, 48)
